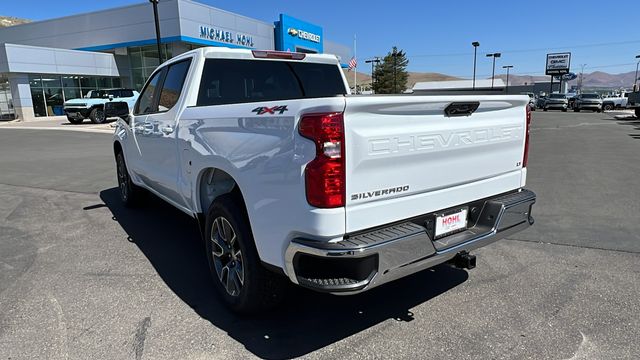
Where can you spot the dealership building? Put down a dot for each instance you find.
(44, 63)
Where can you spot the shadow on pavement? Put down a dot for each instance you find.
(307, 321)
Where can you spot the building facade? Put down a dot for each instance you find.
(44, 63)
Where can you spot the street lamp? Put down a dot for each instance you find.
(155, 18)
(507, 67)
(373, 62)
(475, 51)
(493, 72)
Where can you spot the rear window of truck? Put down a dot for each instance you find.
(233, 81)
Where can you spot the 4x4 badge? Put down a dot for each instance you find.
(261, 110)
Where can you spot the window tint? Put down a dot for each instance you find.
(126, 93)
(172, 85)
(227, 81)
(147, 98)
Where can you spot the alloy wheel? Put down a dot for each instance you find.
(227, 256)
(123, 179)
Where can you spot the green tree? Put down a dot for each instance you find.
(391, 75)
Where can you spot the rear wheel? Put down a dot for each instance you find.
(576, 109)
(238, 275)
(545, 109)
(637, 112)
(97, 116)
(75, 121)
(564, 110)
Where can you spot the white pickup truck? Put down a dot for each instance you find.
(293, 178)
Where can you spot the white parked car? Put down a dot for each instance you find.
(294, 180)
(92, 105)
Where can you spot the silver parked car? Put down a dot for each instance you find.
(591, 102)
(556, 101)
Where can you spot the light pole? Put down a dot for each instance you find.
(395, 56)
(373, 62)
(475, 45)
(493, 72)
(155, 18)
(635, 81)
(507, 67)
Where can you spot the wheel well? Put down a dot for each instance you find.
(215, 183)
(117, 148)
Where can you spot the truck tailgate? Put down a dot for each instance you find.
(405, 157)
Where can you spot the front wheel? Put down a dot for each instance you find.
(564, 110)
(242, 282)
(637, 110)
(545, 109)
(97, 116)
(75, 121)
(608, 107)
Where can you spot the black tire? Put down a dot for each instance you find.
(130, 193)
(243, 284)
(637, 110)
(576, 109)
(608, 107)
(75, 121)
(97, 116)
(564, 110)
(545, 109)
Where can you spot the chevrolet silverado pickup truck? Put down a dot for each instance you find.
(293, 180)
(92, 105)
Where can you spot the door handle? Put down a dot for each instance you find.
(167, 129)
(147, 128)
(138, 128)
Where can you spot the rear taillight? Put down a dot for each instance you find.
(325, 175)
(525, 157)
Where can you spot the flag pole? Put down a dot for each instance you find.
(355, 72)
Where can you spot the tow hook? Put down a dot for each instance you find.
(464, 260)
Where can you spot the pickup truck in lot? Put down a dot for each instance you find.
(292, 179)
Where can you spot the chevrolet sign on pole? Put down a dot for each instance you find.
(558, 63)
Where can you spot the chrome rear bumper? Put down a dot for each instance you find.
(367, 259)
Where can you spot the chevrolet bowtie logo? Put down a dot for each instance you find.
(293, 32)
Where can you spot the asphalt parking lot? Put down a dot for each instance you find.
(84, 278)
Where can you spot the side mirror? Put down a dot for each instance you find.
(117, 109)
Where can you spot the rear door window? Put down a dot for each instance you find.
(172, 85)
(233, 81)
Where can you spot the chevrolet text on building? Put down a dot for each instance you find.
(304, 35)
(225, 36)
(303, 200)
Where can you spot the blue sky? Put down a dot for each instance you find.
(437, 36)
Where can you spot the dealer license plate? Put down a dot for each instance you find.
(451, 222)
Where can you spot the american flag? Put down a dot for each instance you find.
(353, 63)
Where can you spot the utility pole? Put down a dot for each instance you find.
(475, 45)
(581, 77)
(493, 72)
(635, 78)
(155, 17)
(507, 67)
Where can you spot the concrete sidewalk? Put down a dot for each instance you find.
(60, 123)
